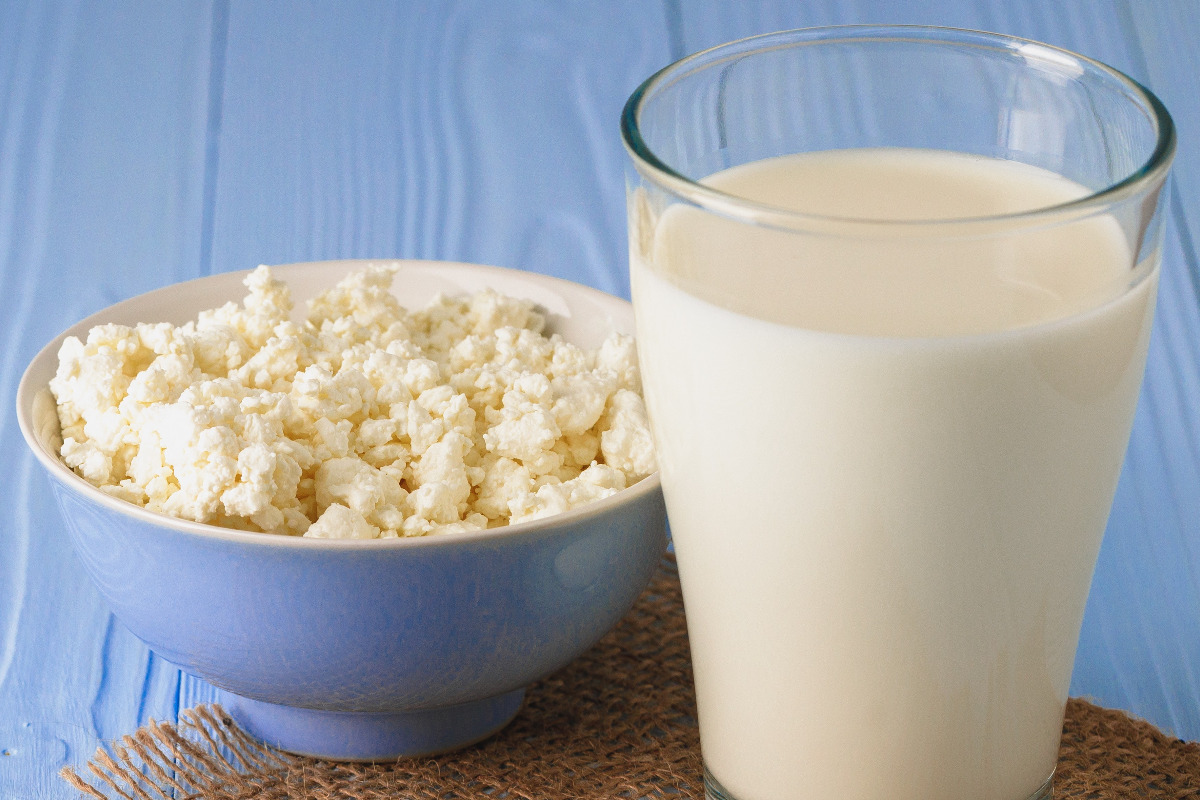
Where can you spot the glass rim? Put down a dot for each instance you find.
(652, 167)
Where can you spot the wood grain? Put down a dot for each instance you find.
(145, 143)
(101, 170)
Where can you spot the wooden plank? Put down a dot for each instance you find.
(1138, 648)
(1095, 28)
(485, 132)
(142, 144)
(102, 163)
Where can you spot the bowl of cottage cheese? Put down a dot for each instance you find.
(370, 502)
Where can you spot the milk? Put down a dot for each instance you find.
(888, 466)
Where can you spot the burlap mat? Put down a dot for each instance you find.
(618, 723)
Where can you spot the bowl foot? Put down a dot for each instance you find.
(372, 736)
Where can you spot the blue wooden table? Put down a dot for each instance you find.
(143, 143)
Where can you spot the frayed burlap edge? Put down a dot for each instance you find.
(1105, 755)
(205, 755)
(617, 723)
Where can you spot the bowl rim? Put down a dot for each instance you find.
(27, 396)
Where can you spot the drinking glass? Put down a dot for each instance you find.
(891, 414)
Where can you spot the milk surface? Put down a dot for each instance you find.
(888, 466)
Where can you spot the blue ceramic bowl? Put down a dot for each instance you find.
(361, 649)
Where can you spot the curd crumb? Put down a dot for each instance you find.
(366, 420)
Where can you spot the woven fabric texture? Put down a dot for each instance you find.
(617, 723)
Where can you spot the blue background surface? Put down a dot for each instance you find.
(147, 143)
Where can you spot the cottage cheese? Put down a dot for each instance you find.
(365, 421)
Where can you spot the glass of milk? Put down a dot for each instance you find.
(893, 290)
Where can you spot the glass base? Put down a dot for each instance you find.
(713, 790)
